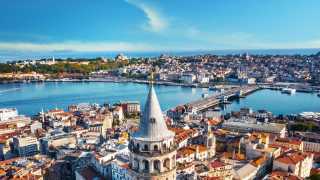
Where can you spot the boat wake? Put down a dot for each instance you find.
(9, 90)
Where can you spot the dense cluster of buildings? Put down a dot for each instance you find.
(201, 69)
(242, 68)
(91, 141)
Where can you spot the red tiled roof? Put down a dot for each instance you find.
(288, 140)
(90, 173)
(126, 165)
(280, 175)
(292, 157)
(216, 164)
(56, 111)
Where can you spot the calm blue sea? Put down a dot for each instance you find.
(30, 98)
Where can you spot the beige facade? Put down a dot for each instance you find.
(295, 162)
(311, 146)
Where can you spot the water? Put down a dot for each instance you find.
(30, 98)
(277, 102)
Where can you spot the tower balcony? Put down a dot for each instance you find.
(151, 153)
(154, 172)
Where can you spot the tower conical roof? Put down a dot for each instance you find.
(152, 125)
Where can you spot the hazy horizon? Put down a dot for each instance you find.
(65, 55)
(36, 28)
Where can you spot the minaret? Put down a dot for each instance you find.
(42, 115)
(152, 147)
(210, 141)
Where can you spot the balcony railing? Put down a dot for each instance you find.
(152, 152)
(154, 172)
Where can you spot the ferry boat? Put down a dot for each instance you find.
(288, 90)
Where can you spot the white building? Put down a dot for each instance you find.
(35, 125)
(131, 107)
(203, 79)
(120, 171)
(311, 146)
(311, 141)
(25, 146)
(295, 162)
(251, 80)
(121, 57)
(245, 126)
(188, 78)
(247, 172)
(7, 113)
(118, 113)
(61, 139)
(219, 169)
(102, 163)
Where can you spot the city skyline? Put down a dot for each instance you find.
(159, 90)
(32, 28)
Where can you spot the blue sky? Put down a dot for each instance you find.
(48, 26)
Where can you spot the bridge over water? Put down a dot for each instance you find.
(222, 97)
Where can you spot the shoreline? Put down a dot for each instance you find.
(110, 80)
(140, 82)
(277, 86)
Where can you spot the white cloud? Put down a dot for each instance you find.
(156, 22)
(234, 41)
(74, 46)
(78, 46)
(242, 40)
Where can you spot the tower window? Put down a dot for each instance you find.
(146, 147)
(153, 120)
(155, 148)
(167, 163)
(156, 165)
(146, 165)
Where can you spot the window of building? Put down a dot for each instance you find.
(156, 165)
(167, 163)
(146, 147)
(145, 165)
(155, 148)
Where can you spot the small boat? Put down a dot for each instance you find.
(204, 95)
(212, 88)
(227, 102)
(216, 109)
(221, 90)
(194, 85)
(288, 90)
(318, 94)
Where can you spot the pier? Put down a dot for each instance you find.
(222, 97)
